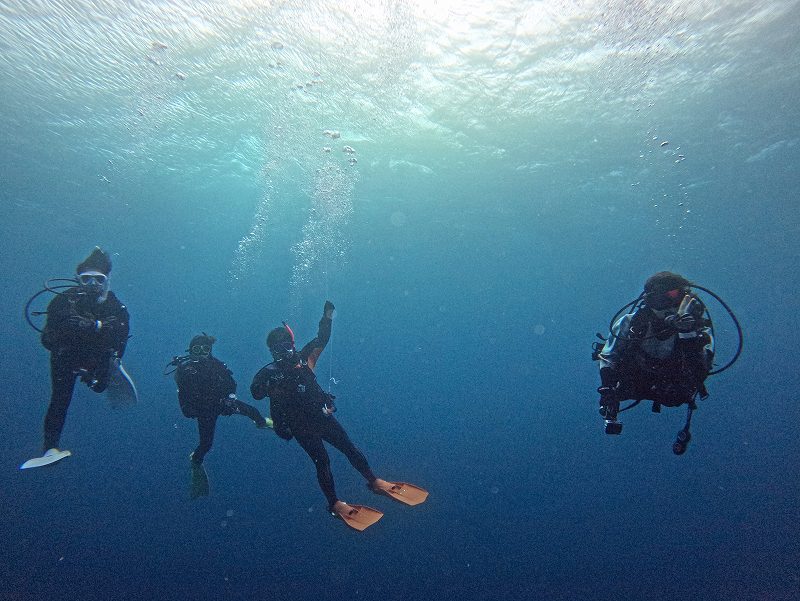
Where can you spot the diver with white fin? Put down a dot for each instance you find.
(662, 351)
(86, 333)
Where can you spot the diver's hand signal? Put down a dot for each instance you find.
(685, 320)
(681, 323)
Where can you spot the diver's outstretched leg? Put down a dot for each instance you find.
(336, 436)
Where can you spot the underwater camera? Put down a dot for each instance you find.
(613, 427)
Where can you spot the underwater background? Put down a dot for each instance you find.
(478, 187)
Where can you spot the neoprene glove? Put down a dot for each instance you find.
(108, 322)
(682, 323)
(608, 396)
(328, 310)
(87, 323)
(608, 387)
(329, 408)
(84, 323)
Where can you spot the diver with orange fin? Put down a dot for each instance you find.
(301, 409)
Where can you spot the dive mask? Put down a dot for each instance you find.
(665, 300)
(199, 350)
(92, 278)
(283, 349)
(95, 281)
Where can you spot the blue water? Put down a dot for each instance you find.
(512, 190)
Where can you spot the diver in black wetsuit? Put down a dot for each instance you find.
(206, 390)
(300, 408)
(86, 332)
(662, 351)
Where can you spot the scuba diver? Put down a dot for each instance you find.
(206, 390)
(86, 333)
(661, 351)
(300, 408)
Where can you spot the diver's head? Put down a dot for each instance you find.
(200, 347)
(92, 274)
(280, 342)
(665, 290)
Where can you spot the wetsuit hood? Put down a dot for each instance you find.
(280, 342)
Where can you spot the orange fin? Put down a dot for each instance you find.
(405, 493)
(358, 517)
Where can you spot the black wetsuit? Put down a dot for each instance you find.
(82, 336)
(204, 386)
(296, 407)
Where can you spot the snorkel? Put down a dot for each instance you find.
(288, 329)
(289, 352)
